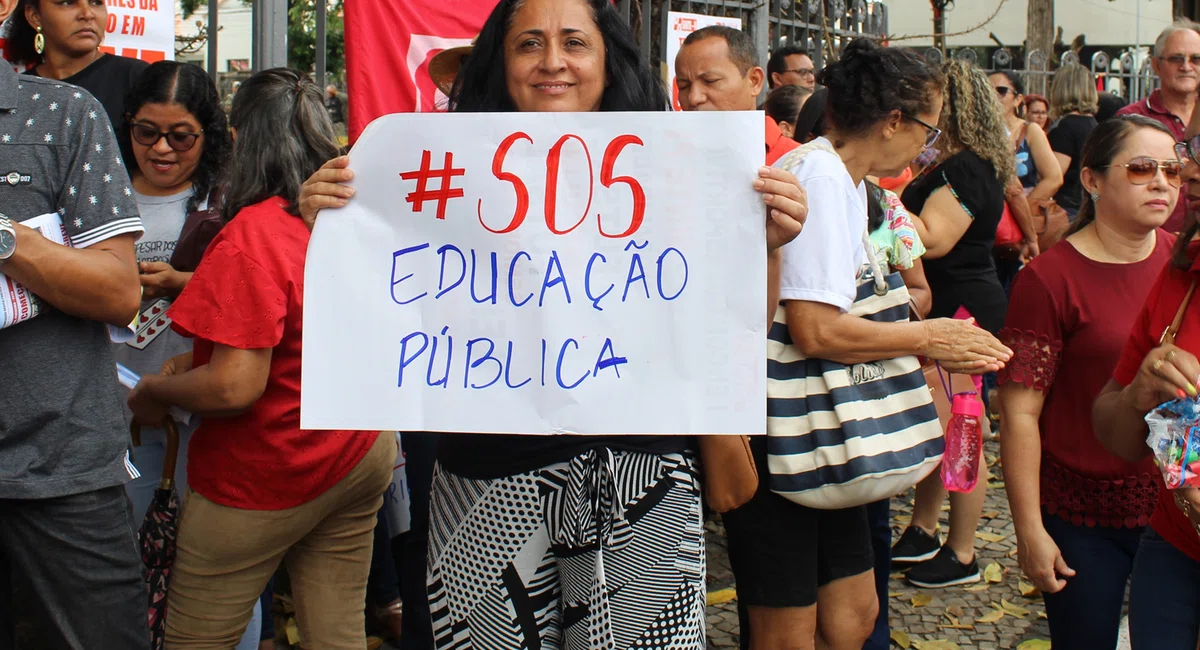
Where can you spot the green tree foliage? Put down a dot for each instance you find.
(302, 36)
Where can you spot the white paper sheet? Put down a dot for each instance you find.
(663, 331)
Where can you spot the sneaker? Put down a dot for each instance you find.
(914, 546)
(944, 570)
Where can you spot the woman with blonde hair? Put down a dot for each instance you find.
(1073, 103)
(959, 200)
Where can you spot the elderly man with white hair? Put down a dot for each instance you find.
(1176, 61)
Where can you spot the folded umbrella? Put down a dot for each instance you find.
(158, 534)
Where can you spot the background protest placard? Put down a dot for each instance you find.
(679, 26)
(141, 29)
(542, 273)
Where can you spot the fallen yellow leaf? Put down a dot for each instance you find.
(993, 573)
(293, 632)
(991, 617)
(996, 485)
(895, 594)
(896, 576)
(1013, 610)
(937, 644)
(957, 627)
(1028, 590)
(991, 514)
(990, 537)
(1035, 644)
(983, 586)
(720, 596)
(900, 638)
(921, 599)
(1041, 614)
(955, 610)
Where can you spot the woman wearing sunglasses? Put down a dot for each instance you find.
(1078, 509)
(1158, 364)
(1037, 168)
(959, 200)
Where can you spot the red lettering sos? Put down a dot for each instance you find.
(553, 161)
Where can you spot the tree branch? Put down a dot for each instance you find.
(907, 37)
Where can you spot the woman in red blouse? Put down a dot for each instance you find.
(1079, 511)
(1164, 599)
(262, 491)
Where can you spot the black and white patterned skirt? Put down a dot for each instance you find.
(604, 552)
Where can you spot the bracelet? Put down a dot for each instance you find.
(1186, 507)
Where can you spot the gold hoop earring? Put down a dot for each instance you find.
(39, 42)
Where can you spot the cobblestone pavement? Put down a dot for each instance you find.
(959, 617)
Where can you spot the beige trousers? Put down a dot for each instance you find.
(227, 555)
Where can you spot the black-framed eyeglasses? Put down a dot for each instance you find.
(931, 132)
(1143, 169)
(1003, 91)
(148, 136)
(1189, 149)
(803, 72)
(1179, 59)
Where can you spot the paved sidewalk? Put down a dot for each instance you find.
(1001, 613)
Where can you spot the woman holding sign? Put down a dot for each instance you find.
(628, 568)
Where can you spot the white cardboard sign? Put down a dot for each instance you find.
(456, 294)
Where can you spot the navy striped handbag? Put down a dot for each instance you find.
(840, 436)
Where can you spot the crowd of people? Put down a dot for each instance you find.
(936, 223)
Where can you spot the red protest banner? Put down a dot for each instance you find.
(388, 49)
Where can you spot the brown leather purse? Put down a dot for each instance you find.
(730, 475)
(1051, 222)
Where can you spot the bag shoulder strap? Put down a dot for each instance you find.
(1168, 335)
(1021, 138)
(796, 155)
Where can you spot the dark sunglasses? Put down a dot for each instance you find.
(1143, 169)
(931, 132)
(1179, 59)
(148, 136)
(1003, 91)
(1189, 149)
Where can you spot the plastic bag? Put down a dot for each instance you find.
(1175, 442)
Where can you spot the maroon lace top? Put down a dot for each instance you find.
(1068, 320)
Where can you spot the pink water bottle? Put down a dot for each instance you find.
(964, 444)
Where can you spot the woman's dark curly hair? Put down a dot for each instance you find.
(19, 45)
(633, 85)
(869, 82)
(185, 84)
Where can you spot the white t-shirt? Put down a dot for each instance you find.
(822, 263)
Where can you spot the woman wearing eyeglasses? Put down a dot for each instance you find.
(179, 141)
(959, 200)
(1078, 509)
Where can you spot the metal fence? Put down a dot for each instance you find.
(822, 27)
(1120, 75)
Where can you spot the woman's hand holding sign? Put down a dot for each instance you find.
(787, 205)
(325, 189)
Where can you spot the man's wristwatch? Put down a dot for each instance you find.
(8, 239)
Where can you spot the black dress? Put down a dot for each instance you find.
(966, 276)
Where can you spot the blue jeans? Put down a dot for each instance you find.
(1086, 614)
(1164, 600)
(879, 516)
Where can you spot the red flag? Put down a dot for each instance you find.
(388, 48)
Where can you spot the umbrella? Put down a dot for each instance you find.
(158, 534)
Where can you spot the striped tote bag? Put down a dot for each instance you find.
(842, 435)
